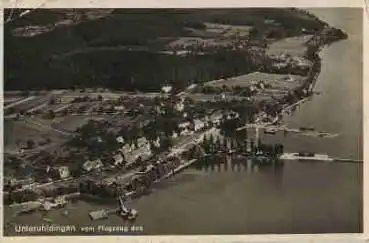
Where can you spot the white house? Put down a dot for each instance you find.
(157, 142)
(232, 115)
(166, 89)
(198, 124)
(133, 146)
(216, 117)
(184, 125)
(125, 149)
(118, 159)
(179, 107)
(92, 165)
(261, 84)
(253, 88)
(120, 139)
(142, 142)
(174, 135)
(63, 172)
(119, 108)
(192, 86)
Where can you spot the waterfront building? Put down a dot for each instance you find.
(92, 165)
(198, 124)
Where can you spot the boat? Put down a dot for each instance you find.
(49, 220)
(99, 214)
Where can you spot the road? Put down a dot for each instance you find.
(19, 102)
(42, 126)
(194, 138)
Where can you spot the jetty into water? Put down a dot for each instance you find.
(300, 156)
(271, 129)
(315, 157)
(123, 210)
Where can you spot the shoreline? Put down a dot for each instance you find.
(310, 81)
(320, 41)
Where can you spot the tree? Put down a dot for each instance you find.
(10, 110)
(254, 32)
(278, 148)
(50, 114)
(233, 144)
(237, 89)
(246, 92)
(18, 142)
(25, 93)
(225, 88)
(30, 144)
(252, 145)
(165, 144)
(52, 101)
(244, 145)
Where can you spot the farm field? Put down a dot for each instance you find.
(69, 123)
(186, 42)
(16, 134)
(212, 35)
(277, 81)
(294, 46)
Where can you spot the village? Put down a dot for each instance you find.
(105, 143)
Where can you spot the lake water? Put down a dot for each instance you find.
(296, 198)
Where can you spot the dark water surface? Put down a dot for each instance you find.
(296, 198)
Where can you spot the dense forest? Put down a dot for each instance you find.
(31, 63)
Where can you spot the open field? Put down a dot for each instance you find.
(185, 42)
(294, 46)
(17, 133)
(70, 123)
(9, 100)
(215, 30)
(26, 104)
(277, 81)
(213, 35)
(228, 30)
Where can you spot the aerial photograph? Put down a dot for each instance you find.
(205, 121)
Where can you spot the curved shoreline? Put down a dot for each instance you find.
(316, 67)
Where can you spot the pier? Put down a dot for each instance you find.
(317, 157)
(284, 128)
(296, 156)
(122, 210)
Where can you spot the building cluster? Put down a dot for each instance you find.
(285, 61)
